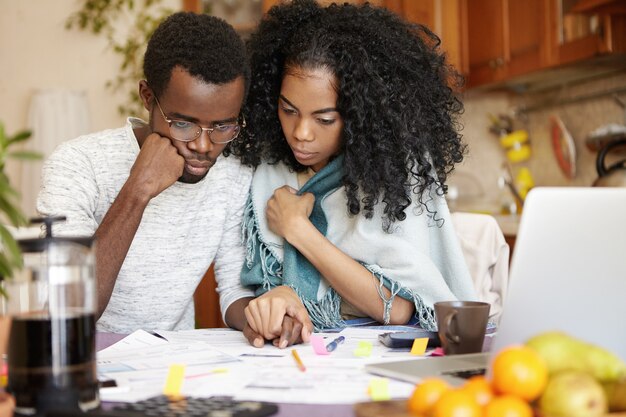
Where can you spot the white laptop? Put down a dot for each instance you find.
(568, 273)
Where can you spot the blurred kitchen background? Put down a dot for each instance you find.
(553, 72)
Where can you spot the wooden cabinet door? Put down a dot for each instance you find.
(443, 17)
(525, 36)
(582, 29)
(505, 38)
(486, 40)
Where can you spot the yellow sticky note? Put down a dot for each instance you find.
(378, 389)
(174, 381)
(419, 346)
(364, 349)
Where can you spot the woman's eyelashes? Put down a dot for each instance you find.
(326, 122)
(321, 120)
(288, 110)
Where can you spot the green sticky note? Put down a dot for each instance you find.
(364, 349)
(378, 389)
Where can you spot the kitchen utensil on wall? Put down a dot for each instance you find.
(52, 348)
(615, 174)
(563, 147)
(604, 135)
(516, 146)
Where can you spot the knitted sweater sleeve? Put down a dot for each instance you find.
(69, 189)
(231, 253)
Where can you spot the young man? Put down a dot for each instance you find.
(161, 201)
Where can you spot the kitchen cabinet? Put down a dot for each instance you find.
(585, 29)
(505, 38)
(508, 38)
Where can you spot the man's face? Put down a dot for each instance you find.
(189, 99)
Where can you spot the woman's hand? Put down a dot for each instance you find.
(285, 209)
(291, 334)
(7, 405)
(278, 314)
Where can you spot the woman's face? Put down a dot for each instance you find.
(307, 109)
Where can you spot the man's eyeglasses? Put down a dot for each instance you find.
(186, 131)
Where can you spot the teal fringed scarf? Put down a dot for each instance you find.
(295, 270)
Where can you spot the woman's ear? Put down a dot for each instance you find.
(146, 95)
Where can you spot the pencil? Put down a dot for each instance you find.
(296, 357)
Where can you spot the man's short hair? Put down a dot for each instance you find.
(205, 46)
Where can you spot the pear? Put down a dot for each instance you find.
(604, 365)
(562, 352)
(573, 394)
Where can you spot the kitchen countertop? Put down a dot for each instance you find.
(508, 223)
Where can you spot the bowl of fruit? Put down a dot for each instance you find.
(552, 375)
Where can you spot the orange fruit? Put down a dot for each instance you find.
(508, 406)
(480, 388)
(519, 371)
(457, 403)
(425, 395)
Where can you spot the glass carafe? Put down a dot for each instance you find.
(52, 302)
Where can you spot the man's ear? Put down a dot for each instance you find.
(146, 94)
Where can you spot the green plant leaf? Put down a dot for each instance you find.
(6, 270)
(99, 17)
(19, 137)
(15, 216)
(10, 254)
(6, 189)
(26, 155)
(10, 246)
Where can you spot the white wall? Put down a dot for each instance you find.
(37, 52)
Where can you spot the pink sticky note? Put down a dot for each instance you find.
(437, 352)
(419, 346)
(319, 347)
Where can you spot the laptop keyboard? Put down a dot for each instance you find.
(467, 373)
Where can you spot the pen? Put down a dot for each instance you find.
(333, 345)
(296, 357)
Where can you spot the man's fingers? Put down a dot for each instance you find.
(253, 317)
(254, 338)
(301, 315)
(286, 333)
(296, 333)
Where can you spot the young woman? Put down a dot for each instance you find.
(351, 125)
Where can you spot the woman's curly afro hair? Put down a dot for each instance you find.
(394, 94)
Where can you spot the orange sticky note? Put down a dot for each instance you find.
(174, 381)
(419, 346)
(378, 389)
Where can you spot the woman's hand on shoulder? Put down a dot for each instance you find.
(278, 314)
(286, 210)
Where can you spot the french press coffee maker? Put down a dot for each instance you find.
(52, 302)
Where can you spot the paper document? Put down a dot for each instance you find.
(222, 362)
